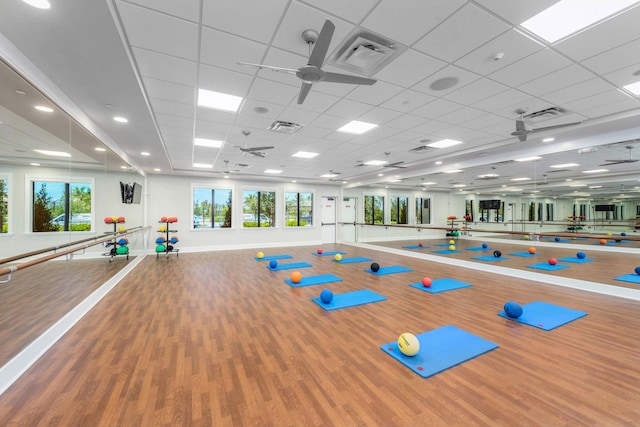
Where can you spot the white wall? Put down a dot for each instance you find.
(172, 196)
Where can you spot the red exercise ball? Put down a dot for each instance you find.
(108, 220)
(319, 250)
(120, 219)
(427, 282)
(163, 219)
(553, 261)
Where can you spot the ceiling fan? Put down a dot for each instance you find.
(226, 170)
(521, 130)
(617, 162)
(312, 72)
(254, 151)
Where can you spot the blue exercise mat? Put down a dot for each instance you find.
(441, 349)
(547, 267)
(545, 316)
(392, 269)
(447, 252)
(489, 258)
(442, 244)
(415, 247)
(334, 253)
(314, 280)
(352, 260)
(631, 278)
(441, 285)
(270, 257)
(575, 260)
(290, 266)
(524, 254)
(479, 249)
(350, 299)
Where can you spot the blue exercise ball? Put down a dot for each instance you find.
(581, 255)
(557, 239)
(623, 234)
(326, 296)
(485, 246)
(273, 263)
(513, 309)
(637, 270)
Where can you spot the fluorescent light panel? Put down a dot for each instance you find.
(210, 143)
(453, 171)
(521, 179)
(218, 101)
(44, 108)
(565, 165)
(375, 163)
(305, 154)
(357, 127)
(634, 88)
(40, 4)
(53, 153)
(202, 165)
(596, 171)
(274, 171)
(528, 159)
(444, 143)
(567, 17)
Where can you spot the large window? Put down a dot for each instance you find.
(4, 204)
(374, 209)
(299, 209)
(399, 206)
(423, 210)
(61, 206)
(258, 209)
(211, 208)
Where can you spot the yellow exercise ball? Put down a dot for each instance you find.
(260, 255)
(452, 247)
(452, 242)
(408, 344)
(338, 257)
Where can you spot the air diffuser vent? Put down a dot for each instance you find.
(545, 114)
(284, 127)
(421, 148)
(365, 52)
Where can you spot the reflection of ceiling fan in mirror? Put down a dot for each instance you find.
(620, 161)
(312, 72)
(253, 151)
(521, 130)
(226, 170)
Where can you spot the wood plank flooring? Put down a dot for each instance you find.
(216, 339)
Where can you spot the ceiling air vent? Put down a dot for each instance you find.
(284, 127)
(365, 52)
(421, 148)
(545, 114)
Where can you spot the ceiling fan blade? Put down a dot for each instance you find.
(250, 149)
(395, 165)
(255, 153)
(346, 78)
(522, 136)
(321, 46)
(304, 91)
(554, 127)
(269, 67)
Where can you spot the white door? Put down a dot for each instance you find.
(348, 228)
(328, 222)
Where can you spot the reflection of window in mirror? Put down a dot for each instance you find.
(374, 209)
(423, 210)
(61, 206)
(399, 206)
(298, 209)
(4, 203)
(211, 208)
(549, 216)
(468, 210)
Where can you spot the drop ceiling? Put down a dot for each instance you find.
(146, 59)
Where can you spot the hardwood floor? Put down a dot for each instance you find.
(216, 339)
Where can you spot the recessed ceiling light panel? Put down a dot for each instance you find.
(218, 101)
(357, 127)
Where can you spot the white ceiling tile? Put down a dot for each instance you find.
(499, 102)
(272, 92)
(612, 108)
(413, 18)
(254, 20)
(224, 81)
(610, 34)
(173, 120)
(379, 116)
(516, 11)
(557, 80)
(578, 91)
(436, 108)
(624, 76)
(155, 31)
(348, 109)
(353, 10)
(476, 91)
(169, 91)
(374, 94)
(406, 101)
(532, 67)
(226, 50)
(596, 101)
(297, 115)
(251, 105)
(165, 67)
(461, 116)
(316, 101)
(409, 68)
(455, 38)
(185, 9)
(464, 77)
(405, 121)
(161, 106)
(484, 121)
(614, 59)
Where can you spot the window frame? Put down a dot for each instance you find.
(29, 200)
(213, 188)
(259, 214)
(8, 177)
(374, 197)
(397, 198)
(312, 208)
